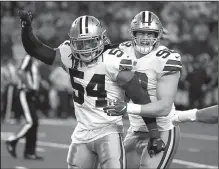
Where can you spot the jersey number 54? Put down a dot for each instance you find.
(97, 79)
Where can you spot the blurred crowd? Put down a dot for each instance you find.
(192, 27)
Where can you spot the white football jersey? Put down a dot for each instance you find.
(93, 85)
(150, 68)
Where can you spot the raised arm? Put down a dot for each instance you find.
(32, 45)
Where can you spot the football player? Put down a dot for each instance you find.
(207, 115)
(94, 69)
(158, 69)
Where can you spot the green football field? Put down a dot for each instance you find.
(198, 146)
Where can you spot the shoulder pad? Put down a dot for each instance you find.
(115, 53)
(116, 60)
(66, 54)
(173, 63)
(163, 54)
(169, 60)
(110, 46)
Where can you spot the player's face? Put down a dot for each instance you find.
(145, 39)
(86, 46)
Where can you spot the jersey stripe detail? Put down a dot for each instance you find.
(168, 145)
(172, 68)
(126, 61)
(173, 150)
(125, 67)
(174, 62)
(122, 155)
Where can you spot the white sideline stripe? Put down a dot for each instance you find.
(200, 137)
(54, 145)
(65, 146)
(192, 164)
(40, 149)
(20, 167)
(58, 122)
(42, 134)
(71, 123)
(194, 150)
(46, 144)
(6, 135)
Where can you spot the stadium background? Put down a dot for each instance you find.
(192, 31)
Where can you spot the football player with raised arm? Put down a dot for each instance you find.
(158, 69)
(95, 70)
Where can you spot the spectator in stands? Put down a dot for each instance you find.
(179, 18)
(197, 80)
(61, 82)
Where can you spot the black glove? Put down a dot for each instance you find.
(25, 18)
(116, 108)
(155, 146)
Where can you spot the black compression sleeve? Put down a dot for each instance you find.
(130, 83)
(35, 48)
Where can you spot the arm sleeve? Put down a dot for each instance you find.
(35, 48)
(128, 81)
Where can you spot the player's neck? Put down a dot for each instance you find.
(138, 54)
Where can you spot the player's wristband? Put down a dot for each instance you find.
(134, 108)
(187, 116)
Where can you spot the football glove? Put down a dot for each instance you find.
(115, 108)
(155, 146)
(25, 18)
